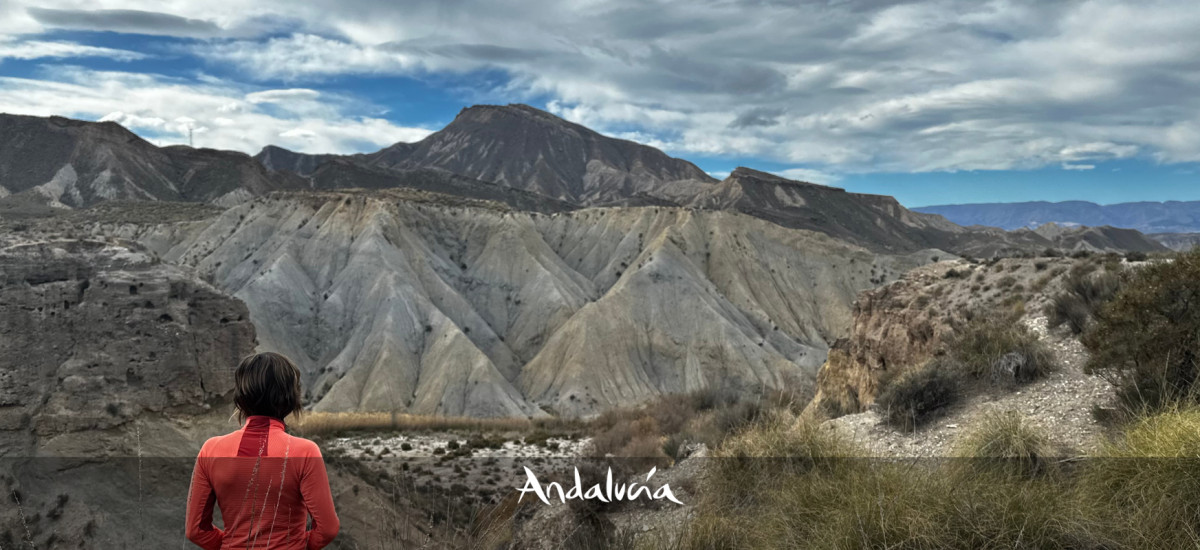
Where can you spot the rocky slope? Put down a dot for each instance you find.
(1098, 239)
(398, 300)
(1177, 241)
(75, 163)
(1062, 404)
(528, 149)
(902, 325)
(874, 221)
(95, 334)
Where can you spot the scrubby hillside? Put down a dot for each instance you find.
(1030, 450)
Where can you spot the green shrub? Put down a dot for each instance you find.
(956, 273)
(1084, 291)
(915, 396)
(1146, 340)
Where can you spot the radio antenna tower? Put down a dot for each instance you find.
(191, 143)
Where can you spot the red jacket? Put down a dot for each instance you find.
(267, 483)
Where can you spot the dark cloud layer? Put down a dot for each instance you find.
(125, 21)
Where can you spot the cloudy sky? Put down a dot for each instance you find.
(931, 101)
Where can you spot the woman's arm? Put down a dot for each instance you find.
(314, 488)
(201, 499)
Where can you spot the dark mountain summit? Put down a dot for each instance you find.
(525, 148)
(521, 147)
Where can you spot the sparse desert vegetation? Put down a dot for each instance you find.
(1125, 496)
(324, 424)
(1145, 339)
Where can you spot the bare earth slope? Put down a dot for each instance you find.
(397, 300)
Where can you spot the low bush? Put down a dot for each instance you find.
(915, 396)
(1135, 256)
(1146, 340)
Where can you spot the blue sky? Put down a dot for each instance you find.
(932, 101)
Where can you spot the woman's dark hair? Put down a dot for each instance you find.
(267, 384)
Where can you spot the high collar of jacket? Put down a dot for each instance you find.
(262, 422)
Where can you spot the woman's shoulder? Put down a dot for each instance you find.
(215, 444)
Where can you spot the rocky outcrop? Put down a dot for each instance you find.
(903, 324)
(93, 335)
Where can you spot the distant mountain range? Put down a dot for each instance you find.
(511, 264)
(1147, 217)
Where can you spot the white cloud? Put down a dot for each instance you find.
(37, 49)
(282, 96)
(835, 87)
(163, 109)
(809, 175)
(1066, 166)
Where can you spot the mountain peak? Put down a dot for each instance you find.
(513, 115)
(742, 173)
(530, 149)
